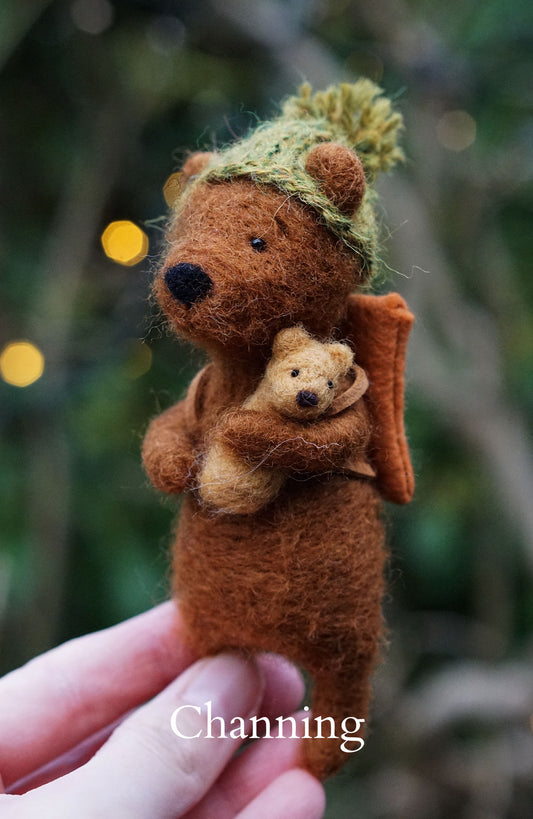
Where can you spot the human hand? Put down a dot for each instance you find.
(60, 757)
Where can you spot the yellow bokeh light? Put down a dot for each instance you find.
(172, 188)
(456, 130)
(21, 363)
(139, 359)
(124, 242)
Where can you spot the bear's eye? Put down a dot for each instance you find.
(258, 244)
(295, 373)
(330, 384)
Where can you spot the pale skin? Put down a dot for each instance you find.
(85, 731)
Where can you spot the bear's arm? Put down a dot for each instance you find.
(321, 446)
(167, 451)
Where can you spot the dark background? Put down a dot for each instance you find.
(100, 100)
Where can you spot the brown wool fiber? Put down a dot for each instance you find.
(302, 575)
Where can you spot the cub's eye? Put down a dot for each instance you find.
(295, 373)
(330, 384)
(258, 244)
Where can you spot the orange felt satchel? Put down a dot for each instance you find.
(378, 329)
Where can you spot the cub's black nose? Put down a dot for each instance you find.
(307, 399)
(188, 283)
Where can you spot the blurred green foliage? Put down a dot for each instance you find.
(92, 125)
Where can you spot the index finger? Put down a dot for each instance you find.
(56, 700)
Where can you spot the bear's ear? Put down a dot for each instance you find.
(195, 165)
(340, 174)
(341, 355)
(289, 340)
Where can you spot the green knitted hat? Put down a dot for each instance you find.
(356, 116)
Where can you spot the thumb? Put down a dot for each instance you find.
(159, 762)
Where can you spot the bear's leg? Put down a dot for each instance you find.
(340, 703)
(228, 484)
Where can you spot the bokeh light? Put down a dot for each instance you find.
(125, 243)
(21, 363)
(364, 62)
(165, 34)
(92, 16)
(456, 130)
(139, 358)
(171, 188)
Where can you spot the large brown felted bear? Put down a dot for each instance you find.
(277, 230)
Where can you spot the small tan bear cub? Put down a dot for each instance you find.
(301, 382)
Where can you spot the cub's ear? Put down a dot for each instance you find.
(341, 354)
(340, 174)
(289, 340)
(195, 165)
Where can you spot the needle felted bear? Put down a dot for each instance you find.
(300, 382)
(279, 229)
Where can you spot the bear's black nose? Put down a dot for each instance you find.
(307, 399)
(188, 283)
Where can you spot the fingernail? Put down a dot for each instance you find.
(234, 686)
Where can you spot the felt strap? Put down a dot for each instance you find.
(378, 328)
(355, 467)
(194, 399)
(353, 393)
